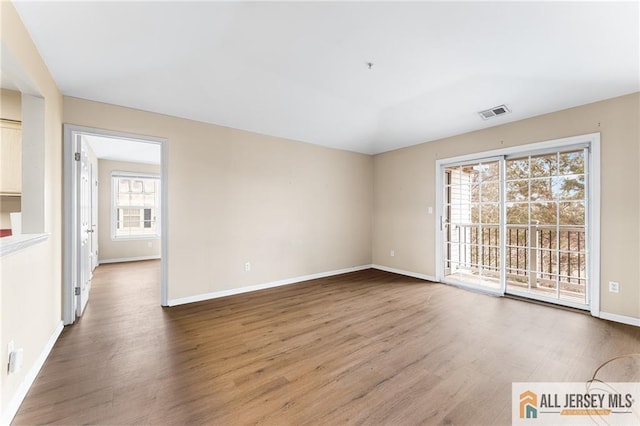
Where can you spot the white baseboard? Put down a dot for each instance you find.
(14, 404)
(620, 318)
(407, 273)
(128, 259)
(231, 292)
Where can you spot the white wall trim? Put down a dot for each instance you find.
(129, 259)
(407, 273)
(593, 217)
(239, 290)
(620, 318)
(29, 378)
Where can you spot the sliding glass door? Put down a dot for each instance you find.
(546, 201)
(472, 224)
(518, 224)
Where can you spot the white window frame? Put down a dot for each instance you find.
(115, 175)
(592, 141)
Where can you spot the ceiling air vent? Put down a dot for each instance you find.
(494, 112)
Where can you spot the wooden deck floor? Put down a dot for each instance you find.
(367, 347)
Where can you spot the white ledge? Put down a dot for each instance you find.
(15, 243)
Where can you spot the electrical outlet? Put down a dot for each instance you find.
(614, 287)
(15, 361)
(247, 266)
(392, 253)
(10, 350)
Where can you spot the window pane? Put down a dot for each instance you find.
(460, 193)
(490, 171)
(123, 185)
(572, 163)
(572, 213)
(137, 199)
(136, 186)
(547, 237)
(517, 236)
(568, 187)
(541, 190)
(474, 192)
(475, 213)
(491, 213)
(123, 199)
(149, 199)
(572, 238)
(453, 173)
(517, 213)
(547, 264)
(149, 186)
(544, 165)
(491, 191)
(517, 168)
(517, 260)
(460, 213)
(131, 218)
(544, 213)
(469, 174)
(518, 190)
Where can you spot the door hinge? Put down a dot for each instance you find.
(76, 156)
(77, 291)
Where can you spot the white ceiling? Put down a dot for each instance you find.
(128, 150)
(298, 69)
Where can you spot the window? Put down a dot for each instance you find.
(519, 222)
(136, 206)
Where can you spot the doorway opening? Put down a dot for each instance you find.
(111, 180)
(523, 221)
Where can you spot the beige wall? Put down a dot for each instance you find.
(289, 208)
(120, 249)
(10, 105)
(32, 277)
(404, 182)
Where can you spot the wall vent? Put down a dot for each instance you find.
(494, 112)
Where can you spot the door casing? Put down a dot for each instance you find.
(70, 231)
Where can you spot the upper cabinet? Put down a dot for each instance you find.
(10, 158)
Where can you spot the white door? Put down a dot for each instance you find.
(84, 231)
(472, 225)
(94, 218)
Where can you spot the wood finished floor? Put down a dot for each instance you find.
(367, 347)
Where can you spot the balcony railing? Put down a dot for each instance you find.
(537, 256)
